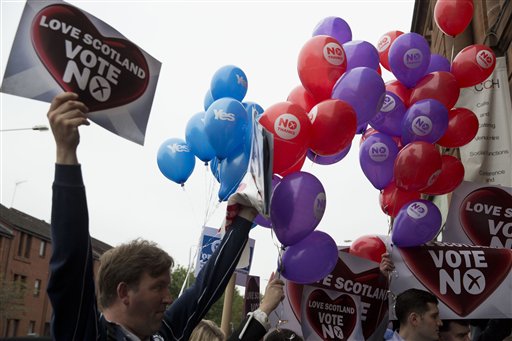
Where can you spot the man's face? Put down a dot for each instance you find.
(147, 304)
(456, 332)
(429, 323)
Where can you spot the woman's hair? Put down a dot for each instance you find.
(283, 334)
(207, 330)
(127, 263)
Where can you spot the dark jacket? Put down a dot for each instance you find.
(71, 285)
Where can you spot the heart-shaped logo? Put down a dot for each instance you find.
(461, 276)
(486, 217)
(105, 72)
(370, 285)
(331, 319)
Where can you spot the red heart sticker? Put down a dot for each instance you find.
(370, 285)
(105, 72)
(461, 276)
(486, 217)
(331, 319)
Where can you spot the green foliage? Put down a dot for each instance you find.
(215, 313)
(11, 298)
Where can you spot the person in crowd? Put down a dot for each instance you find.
(454, 330)
(256, 324)
(207, 330)
(418, 316)
(490, 329)
(283, 334)
(133, 278)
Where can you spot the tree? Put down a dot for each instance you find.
(11, 297)
(215, 313)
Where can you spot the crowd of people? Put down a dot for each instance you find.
(134, 302)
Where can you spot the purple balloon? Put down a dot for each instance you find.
(261, 220)
(438, 63)
(417, 222)
(361, 53)
(329, 159)
(296, 207)
(389, 119)
(334, 27)
(311, 259)
(363, 88)
(409, 57)
(377, 156)
(425, 120)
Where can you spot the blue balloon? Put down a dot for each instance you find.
(214, 167)
(377, 156)
(438, 63)
(425, 120)
(253, 109)
(175, 160)
(409, 57)
(208, 99)
(225, 125)
(328, 159)
(197, 139)
(231, 171)
(229, 81)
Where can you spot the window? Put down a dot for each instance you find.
(31, 327)
(24, 245)
(42, 248)
(47, 329)
(20, 281)
(12, 328)
(37, 287)
(28, 243)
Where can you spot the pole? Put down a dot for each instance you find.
(228, 304)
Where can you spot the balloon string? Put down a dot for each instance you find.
(453, 49)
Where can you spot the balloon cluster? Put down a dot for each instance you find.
(219, 135)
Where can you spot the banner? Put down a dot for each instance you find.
(348, 304)
(487, 158)
(59, 47)
(480, 215)
(210, 240)
(471, 282)
(252, 294)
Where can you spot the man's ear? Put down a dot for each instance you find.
(122, 293)
(414, 319)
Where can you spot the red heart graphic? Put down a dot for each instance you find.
(486, 217)
(375, 296)
(104, 72)
(461, 276)
(331, 319)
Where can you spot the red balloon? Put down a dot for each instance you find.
(452, 174)
(321, 62)
(291, 128)
(439, 85)
(473, 65)
(462, 128)
(334, 124)
(383, 46)
(400, 90)
(369, 247)
(417, 166)
(297, 166)
(453, 16)
(392, 199)
(302, 97)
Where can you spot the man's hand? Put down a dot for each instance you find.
(274, 293)
(386, 264)
(65, 115)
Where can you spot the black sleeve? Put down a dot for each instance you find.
(496, 329)
(254, 330)
(186, 312)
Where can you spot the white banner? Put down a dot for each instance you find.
(487, 158)
(480, 215)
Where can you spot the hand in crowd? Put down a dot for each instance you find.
(274, 293)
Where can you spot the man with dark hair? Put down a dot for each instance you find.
(134, 278)
(418, 316)
(454, 330)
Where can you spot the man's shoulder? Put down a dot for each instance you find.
(395, 337)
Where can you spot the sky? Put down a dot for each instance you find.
(128, 197)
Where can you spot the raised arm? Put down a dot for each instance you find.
(71, 285)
